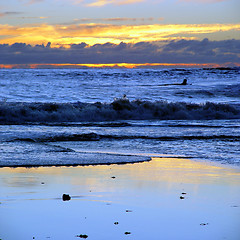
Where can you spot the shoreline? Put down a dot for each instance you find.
(145, 158)
(168, 198)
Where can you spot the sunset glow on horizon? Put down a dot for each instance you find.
(117, 65)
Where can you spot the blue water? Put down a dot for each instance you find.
(92, 116)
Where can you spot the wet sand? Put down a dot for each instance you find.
(166, 198)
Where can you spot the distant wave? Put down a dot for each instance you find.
(119, 109)
(97, 137)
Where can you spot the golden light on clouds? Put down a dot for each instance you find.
(93, 33)
(101, 3)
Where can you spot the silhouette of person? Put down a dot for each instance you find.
(184, 82)
(171, 84)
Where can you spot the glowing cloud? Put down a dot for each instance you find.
(93, 33)
(100, 3)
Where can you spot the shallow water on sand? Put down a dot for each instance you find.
(142, 199)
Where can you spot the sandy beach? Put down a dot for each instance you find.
(166, 198)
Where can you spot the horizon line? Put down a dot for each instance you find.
(115, 65)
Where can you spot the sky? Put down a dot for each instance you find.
(36, 33)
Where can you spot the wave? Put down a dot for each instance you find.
(97, 137)
(230, 91)
(119, 109)
(73, 159)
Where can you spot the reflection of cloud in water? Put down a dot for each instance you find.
(21, 181)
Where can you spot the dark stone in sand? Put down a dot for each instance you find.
(181, 197)
(127, 233)
(82, 236)
(66, 197)
(42, 183)
(113, 177)
(184, 193)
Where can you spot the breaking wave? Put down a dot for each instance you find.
(119, 109)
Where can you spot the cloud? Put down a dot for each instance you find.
(203, 1)
(93, 33)
(31, 1)
(4, 14)
(118, 19)
(34, 17)
(182, 51)
(100, 3)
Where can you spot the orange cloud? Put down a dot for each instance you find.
(100, 3)
(93, 33)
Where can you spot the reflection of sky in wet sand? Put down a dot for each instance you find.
(31, 201)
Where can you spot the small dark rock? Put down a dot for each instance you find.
(66, 197)
(181, 197)
(113, 177)
(128, 210)
(116, 223)
(42, 182)
(127, 233)
(204, 224)
(82, 236)
(184, 193)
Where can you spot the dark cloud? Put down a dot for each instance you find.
(182, 51)
(4, 14)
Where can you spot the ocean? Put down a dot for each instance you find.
(67, 117)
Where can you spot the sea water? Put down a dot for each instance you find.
(102, 116)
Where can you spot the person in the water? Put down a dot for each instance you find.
(184, 82)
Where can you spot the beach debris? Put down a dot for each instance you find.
(128, 210)
(181, 197)
(127, 233)
(66, 197)
(113, 177)
(183, 193)
(82, 236)
(204, 224)
(116, 223)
